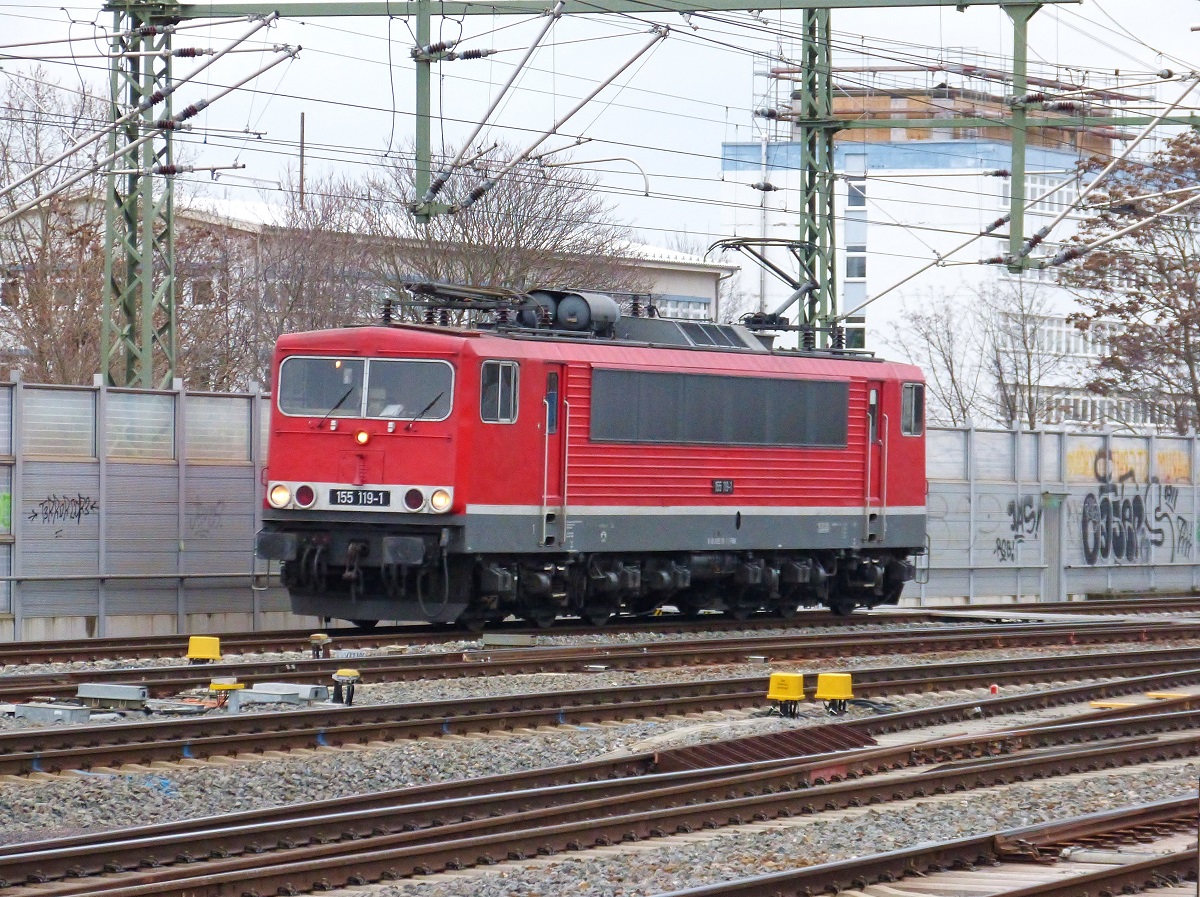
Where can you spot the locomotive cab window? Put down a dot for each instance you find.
(912, 412)
(409, 389)
(498, 392)
(321, 387)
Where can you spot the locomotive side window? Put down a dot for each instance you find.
(873, 416)
(648, 406)
(912, 412)
(552, 402)
(409, 389)
(321, 387)
(498, 392)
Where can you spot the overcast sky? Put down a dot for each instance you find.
(669, 113)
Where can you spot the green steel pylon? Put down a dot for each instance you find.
(814, 133)
(138, 343)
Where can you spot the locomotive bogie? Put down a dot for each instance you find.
(370, 576)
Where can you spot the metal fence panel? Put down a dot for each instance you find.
(1051, 467)
(993, 455)
(6, 604)
(142, 518)
(946, 454)
(219, 520)
(58, 422)
(1010, 514)
(6, 433)
(139, 426)
(1121, 516)
(129, 598)
(68, 598)
(1029, 447)
(1173, 460)
(218, 428)
(59, 523)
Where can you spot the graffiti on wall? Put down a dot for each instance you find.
(1128, 514)
(56, 508)
(1024, 524)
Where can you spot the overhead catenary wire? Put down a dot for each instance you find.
(1074, 252)
(941, 259)
(143, 30)
(340, 29)
(1042, 232)
(146, 104)
(440, 181)
(478, 193)
(171, 123)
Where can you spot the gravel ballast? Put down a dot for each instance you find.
(819, 839)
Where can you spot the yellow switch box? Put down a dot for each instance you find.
(834, 687)
(786, 687)
(204, 647)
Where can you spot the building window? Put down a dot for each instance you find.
(498, 392)
(856, 266)
(855, 227)
(856, 196)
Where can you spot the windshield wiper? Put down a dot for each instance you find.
(421, 413)
(337, 405)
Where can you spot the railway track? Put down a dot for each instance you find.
(461, 824)
(163, 681)
(991, 860)
(113, 745)
(280, 641)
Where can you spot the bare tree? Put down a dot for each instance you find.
(536, 227)
(52, 256)
(1026, 371)
(939, 334)
(242, 284)
(217, 303)
(1141, 292)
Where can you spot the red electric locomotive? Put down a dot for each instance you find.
(561, 458)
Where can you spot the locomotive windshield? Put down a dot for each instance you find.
(395, 389)
(321, 387)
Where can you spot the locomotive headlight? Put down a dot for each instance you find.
(305, 496)
(440, 500)
(362, 437)
(279, 496)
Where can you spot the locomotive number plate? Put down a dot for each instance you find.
(375, 498)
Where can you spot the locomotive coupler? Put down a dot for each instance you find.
(354, 552)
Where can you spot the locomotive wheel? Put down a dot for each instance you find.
(471, 622)
(786, 610)
(542, 619)
(365, 624)
(841, 606)
(597, 617)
